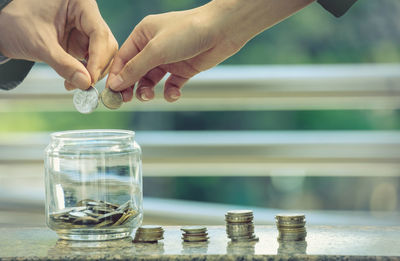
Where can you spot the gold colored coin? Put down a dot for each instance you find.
(111, 99)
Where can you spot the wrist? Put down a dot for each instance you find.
(241, 20)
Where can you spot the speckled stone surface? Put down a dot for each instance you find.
(322, 243)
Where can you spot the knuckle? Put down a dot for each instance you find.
(148, 19)
(128, 71)
(103, 32)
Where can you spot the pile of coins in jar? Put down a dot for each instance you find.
(91, 213)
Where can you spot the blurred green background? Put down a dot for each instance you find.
(368, 33)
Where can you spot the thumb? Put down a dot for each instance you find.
(72, 70)
(150, 57)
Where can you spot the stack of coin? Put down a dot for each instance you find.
(240, 226)
(149, 234)
(291, 227)
(194, 234)
(93, 213)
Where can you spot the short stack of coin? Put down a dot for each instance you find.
(149, 234)
(240, 226)
(194, 234)
(291, 227)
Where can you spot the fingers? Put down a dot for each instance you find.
(102, 44)
(68, 86)
(72, 70)
(127, 94)
(172, 87)
(150, 57)
(145, 89)
(128, 50)
(78, 44)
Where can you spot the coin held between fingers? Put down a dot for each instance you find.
(86, 101)
(112, 100)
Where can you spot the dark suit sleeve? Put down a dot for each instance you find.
(337, 7)
(13, 73)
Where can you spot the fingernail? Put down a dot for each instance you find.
(115, 82)
(174, 94)
(80, 80)
(145, 95)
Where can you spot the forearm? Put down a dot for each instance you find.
(242, 20)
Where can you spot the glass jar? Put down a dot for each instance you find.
(93, 184)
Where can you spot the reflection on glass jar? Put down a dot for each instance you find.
(93, 184)
(96, 250)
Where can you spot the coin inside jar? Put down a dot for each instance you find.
(86, 101)
(112, 100)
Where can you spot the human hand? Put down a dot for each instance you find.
(61, 33)
(187, 42)
(180, 43)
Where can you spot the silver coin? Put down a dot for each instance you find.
(150, 228)
(194, 229)
(240, 213)
(111, 216)
(124, 207)
(86, 101)
(111, 99)
(86, 220)
(290, 217)
(77, 214)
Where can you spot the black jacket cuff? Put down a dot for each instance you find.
(13, 73)
(337, 7)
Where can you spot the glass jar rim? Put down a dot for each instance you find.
(91, 134)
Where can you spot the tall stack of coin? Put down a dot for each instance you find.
(149, 234)
(291, 227)
(194, 234)
(240, 226)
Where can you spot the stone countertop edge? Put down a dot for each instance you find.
(325, 243)
(200, 257)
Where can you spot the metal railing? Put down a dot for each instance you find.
(239, 88)
(239, 153)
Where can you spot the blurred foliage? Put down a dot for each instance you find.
(331, 193)
(368, 33)
(59, 121)
(218, 120)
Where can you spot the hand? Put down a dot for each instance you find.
(187, 42)
(62, 33)
(181, 43)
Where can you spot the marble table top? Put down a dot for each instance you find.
(322, 243)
